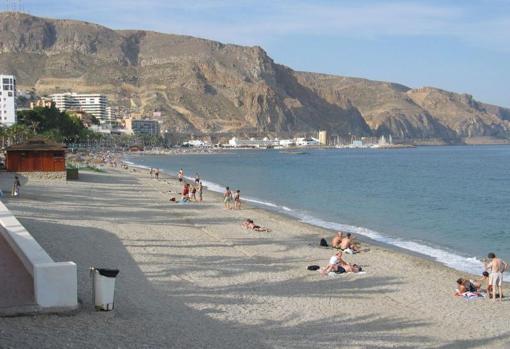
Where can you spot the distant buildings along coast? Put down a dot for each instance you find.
(93, 103)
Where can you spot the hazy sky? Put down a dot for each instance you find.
(458, 45)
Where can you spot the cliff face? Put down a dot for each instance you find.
(203, 86)
(424, 113)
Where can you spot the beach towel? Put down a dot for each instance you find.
(332, 274)
(469, 296)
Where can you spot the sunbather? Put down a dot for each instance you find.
(337, 239)
(347, 243)
(249, 224)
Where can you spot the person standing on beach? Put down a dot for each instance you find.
(180, 175)
(237, 200)
(151, 172)
(157, 173)
(200, 189)
(15, 186)
(496, 267)
(197, 178)
(227, 198)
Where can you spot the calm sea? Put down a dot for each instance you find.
(449, 203)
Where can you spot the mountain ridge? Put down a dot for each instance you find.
(209, 88)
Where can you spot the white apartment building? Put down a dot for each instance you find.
(95, 104)
(7, 100)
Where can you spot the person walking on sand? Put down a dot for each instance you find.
(227, 198)
(156, 173)
(237, 200)
(15, 186)
(496, 267)
(193, 193)
(200, 189)
(180, 175)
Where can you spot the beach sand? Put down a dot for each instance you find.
(191, 277)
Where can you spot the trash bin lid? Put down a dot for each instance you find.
(110, 273)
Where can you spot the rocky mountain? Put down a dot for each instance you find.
(205, 87)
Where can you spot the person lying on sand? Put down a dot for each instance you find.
(338, 265)
(347, 243)
(249, 224)
(466, 285)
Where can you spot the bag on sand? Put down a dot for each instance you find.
(313, 267)
(324, 243)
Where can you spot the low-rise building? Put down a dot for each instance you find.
(252, 143)
(143, 127)
(42, 102)
(300, 142)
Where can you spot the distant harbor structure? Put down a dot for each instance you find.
(323, 137)
(94, 104)
(8, 100)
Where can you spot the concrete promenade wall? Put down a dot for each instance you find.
(55, 283)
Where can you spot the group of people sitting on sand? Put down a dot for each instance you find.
(492, 276)
(343, 243)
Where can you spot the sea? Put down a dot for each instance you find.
(450, 204)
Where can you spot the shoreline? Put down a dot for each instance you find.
(321, 224)
(189, 267)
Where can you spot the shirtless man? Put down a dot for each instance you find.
(496, 267)
(337, 239)
(347, 242)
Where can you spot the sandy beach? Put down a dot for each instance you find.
(192, 277)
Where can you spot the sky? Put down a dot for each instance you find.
(457, 45)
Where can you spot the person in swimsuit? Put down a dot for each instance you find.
(337, 239)
(237, 200)
(249, 224)
(185, 192)
(197, 178)
(180, 175)
(463, 286)
(348, 243)
(496, 267)
(227, 198)
(157, 173)
(200, 189)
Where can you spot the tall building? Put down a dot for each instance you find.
(95, 104)
(7, 100)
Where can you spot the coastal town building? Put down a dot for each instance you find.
(300, 142)
(42, 102)
(7, 100)
(323, 137)
(252, 143)
(95, 104)
(142, 126)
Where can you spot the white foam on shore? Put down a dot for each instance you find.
(450, 259)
